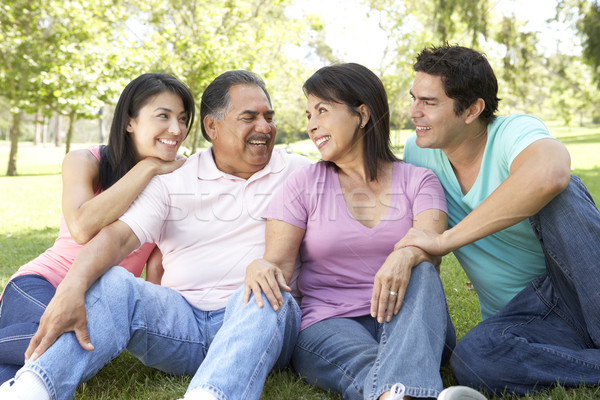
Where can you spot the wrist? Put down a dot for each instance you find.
(413, 255)
(448, 241)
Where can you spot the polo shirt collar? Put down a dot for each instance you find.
(207, 168)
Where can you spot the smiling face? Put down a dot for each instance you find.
(159, 127)
(432, 111)
(331, 127)
(243, 141)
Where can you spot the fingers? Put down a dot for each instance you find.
(282, 284)
(381, 301)
(39, 344)
(264, 278)
(31, 352)
(270, 288)
(388, 296)
(81, 333)
(247, 292)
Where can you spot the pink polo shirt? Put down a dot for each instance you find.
(208, 224)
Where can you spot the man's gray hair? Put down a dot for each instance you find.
(215, 99)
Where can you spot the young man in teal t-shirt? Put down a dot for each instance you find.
(525, 231)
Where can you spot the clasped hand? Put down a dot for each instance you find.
(264, 277)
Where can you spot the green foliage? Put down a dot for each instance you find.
(590, 27)
(530, 81)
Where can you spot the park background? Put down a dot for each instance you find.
(64, 63)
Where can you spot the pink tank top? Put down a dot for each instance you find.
(54, 263)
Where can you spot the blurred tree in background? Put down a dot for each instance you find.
(69, 59)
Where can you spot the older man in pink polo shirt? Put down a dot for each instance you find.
(205, 218)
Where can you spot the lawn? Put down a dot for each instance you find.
(29, 223)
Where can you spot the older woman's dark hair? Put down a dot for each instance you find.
(118, 156)
(215, 99)
(353, 85)
(466, 76)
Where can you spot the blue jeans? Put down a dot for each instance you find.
(24, 301)
(230, 351)
(361, 358)
(550, 332)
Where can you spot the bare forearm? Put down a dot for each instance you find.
(106, 249)
(108, 206)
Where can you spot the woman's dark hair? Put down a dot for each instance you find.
(466, 76)
(118, 156)
(353, 85)
(215, 99)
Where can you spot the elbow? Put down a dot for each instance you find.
(80, 235)
(556, 180)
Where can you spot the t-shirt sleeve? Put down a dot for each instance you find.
(409, 150)
(289, 204)
(518, 132)
(429, 194)
(148, 212)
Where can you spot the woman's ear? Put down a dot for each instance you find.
(365, 114)
(129, 126)
(210, 126)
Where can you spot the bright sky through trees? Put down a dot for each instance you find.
(355, 36)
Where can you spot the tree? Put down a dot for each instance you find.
(590, 27)
(22, 36)
(60, 57)
(198, 40)
(529, 80)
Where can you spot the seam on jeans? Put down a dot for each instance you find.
(14, 338)
(571, 358)
(26, 295)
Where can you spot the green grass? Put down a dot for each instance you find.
(29, 223)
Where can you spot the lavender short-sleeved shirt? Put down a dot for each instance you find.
(340, 255)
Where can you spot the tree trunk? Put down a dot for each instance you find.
(45, 123)
(38, 128)
(14, 144)
(57, 130)
(72, 120)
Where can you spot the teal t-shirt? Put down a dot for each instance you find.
(502, 264)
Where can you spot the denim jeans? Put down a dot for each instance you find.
(23, 303)
(550, 332)
(235, 347)
(361, 358)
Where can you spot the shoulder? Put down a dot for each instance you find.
(83, 158)
(414, 174)
(312, 170)
(290, 160)
(518, 124)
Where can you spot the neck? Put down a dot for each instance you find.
(470, 149)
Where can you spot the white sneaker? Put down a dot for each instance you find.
(7, 392)
(396, 392)
(199, 394)
(460, 393)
